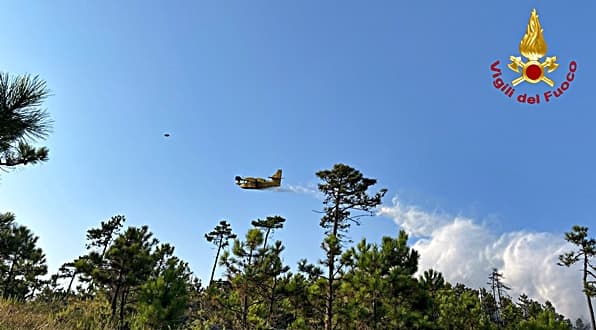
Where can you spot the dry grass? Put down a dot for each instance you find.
(20, 316)
(90, 314)
(76, 315)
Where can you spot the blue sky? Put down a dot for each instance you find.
(400, 90)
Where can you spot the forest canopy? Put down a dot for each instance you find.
(129, 279)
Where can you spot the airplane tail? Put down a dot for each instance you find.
(276, 177)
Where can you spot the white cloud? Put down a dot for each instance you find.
(413, 220)
(465, 251)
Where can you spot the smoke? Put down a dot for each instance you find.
(465, 252)
(312, 191)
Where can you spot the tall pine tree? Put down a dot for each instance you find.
(586, 250)
(346, 200)
(220, 236)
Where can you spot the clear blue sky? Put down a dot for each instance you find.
(400, 90)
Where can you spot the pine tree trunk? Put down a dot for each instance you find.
(375, 316)
(266, 237)
(245, 312)
(216, 257)
(331, 260)
(245, 298)
(329, 324)
(591, 312)
(74, 274)
(115, 300)
(501, 321)
(330, 294)
(8, 280)
(115, 297)
(587, 296)
(272, 301)
(122, 304)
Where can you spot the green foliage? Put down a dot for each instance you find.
(128, 280)
(378, 291)
(242, 269)
(269, 225)
(163, 300)
(379, 288)
(346, 201)
(459, 307)
(220, 237)
(545, 320)
(129, 264)
(22, 120)
(345, 190)
(143, 282)
(303, 300)
(103, 236)
(21, 261)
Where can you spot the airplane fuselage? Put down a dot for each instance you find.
(259, 183)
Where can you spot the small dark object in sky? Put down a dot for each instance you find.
(167, 135)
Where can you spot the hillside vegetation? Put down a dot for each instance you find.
(128, 279)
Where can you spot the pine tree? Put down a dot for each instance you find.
(529, 307)
(345, 190)
(432, 281)
(459, 307)
(378, 289)
(21, 261)
(220, 237)
(580, 325)
(99, 241)
(272, 267)
(164, 298)
(128, 264)
(22, 120)
(243, 272)
(103, 236)
(304, 300)
(68, 271)
(269, 225)
(585, 252)
(499, 292)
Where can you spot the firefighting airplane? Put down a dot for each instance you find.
(260, 183)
